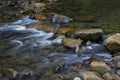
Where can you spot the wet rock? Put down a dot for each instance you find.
(72, 43)
(118, 72)
(60, 19)
(110, 76)
(116, 57)
(24, 62)
(89, 75)
(46, 26)
(63, 30)
(75, 67)
(76, 78)
(117, 64)
(86, 34)
(39, 7)
(112, 43)
(65, 76)
(38, 16)
(10, 72)
(99, 66)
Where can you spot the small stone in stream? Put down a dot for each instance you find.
(38, 7)
(99, 66)
(112, 43)
(38, 16)
(117, 64)
(63, 30)
(110, 76)
(10, 72)
(118, 72)
(76, 78)
(72, 43)
(60, 19)
(88, 43)
(89, 75)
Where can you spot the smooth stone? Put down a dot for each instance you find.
(89, 75)
(60, 19)
(118, 72)
(99, 66)
(63, 30)
(117, 64)
(116, 57)
(110, 76)
(10, 72)
(76, 78)
(38, 16)
(72, 43)
(112, 43)
(87, 34)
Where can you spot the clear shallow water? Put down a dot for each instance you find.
(30, 49)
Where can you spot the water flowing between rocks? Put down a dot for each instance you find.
(29, 50)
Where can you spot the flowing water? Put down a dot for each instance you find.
(29, 50)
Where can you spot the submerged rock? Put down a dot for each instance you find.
(85, 18)
(72, 43)
(89, 75)
(112, 43)
(86, 34)
(99, 66)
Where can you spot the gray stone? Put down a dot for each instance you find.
(60, 19)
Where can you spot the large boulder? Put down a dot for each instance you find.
(87, 34)
(112, 43)
(72, 43)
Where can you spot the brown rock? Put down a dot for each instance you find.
(99, 66)
(89, 75)
(112, 43)
(72, 43)
(110, 76)
(64, 30)
(46, 26)
(10, 72)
